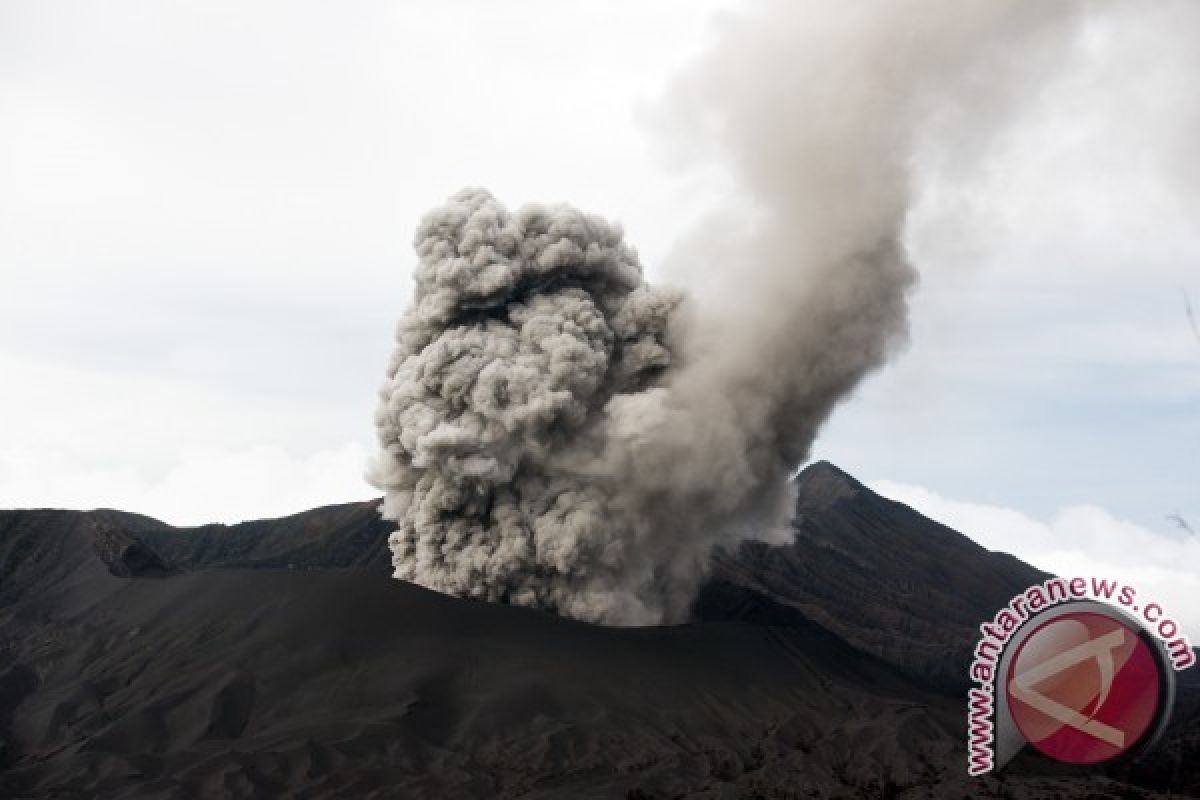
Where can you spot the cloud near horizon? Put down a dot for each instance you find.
(204, 484)
(1077, 540)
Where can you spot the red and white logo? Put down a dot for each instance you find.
(1083, 670)
(1084, 687)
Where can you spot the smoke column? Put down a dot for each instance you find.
(556, 433)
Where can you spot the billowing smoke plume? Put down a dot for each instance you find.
(526, 328)
(557, 433)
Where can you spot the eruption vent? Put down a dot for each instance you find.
(556, 433)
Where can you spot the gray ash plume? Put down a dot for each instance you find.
(556, 433)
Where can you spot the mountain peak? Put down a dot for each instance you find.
(821, 484)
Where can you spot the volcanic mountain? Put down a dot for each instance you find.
(278, 658)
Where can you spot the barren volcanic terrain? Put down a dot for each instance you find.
(278, 658)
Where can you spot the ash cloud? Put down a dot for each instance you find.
(527, 330)
(557, 433)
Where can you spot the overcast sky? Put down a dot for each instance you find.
(206, 216)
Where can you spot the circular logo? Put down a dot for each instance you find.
(1084, 687)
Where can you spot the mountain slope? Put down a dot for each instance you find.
(277, 658)
(880, 575)
(332, 681)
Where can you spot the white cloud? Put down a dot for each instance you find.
(1078, 540)
(186, 451)
(205, 484)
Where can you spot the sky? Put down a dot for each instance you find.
(206, 217)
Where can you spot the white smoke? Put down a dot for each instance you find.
(556, 433)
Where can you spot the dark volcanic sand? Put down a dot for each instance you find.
(137, 660)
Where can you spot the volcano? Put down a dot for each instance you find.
(278, 658)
